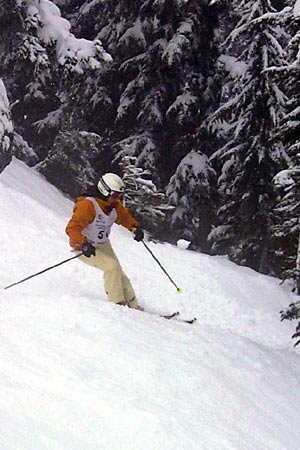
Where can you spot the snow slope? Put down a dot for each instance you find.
(78, 373)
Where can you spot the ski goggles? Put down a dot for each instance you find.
(115, 194)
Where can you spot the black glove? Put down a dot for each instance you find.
(138, 234)
(88, 249)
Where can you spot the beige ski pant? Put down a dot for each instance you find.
(116, 284)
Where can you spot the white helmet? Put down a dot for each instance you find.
(110, 183)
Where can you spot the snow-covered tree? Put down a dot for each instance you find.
(45, 69)
(251, 108)
(191, 190)
(161, 79)
(142, 196)
(6, 128)
(286, 227)
(160, 54)
(293, 313)
(69, 165)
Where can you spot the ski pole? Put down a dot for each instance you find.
(160, 265)
(42, 271)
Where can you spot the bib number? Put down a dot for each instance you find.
(102, 234)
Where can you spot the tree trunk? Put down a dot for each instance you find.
(264, 257)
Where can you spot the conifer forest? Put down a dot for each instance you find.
(195, 103)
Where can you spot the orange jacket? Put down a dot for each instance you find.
(84, 213)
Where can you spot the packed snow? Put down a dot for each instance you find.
(78, 372)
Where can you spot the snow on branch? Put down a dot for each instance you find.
(214, 2)
(275, 16)
(179, 44)
(134, 34)
(285, 178)
(73, 53)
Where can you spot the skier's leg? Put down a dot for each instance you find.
(128, 291)
(117, 285)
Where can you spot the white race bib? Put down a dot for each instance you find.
(99, 230)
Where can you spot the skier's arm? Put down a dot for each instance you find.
(83, 215)
(124, 218)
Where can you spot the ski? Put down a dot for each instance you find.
(176, 316)
(170, 316)
(190, 321)
(173, 316)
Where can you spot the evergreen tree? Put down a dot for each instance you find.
(6, 128)
(45, 67)
(191, 190)
(150, 206)
(160, 81)
(69, 165)
(293, 313)
(32, 91)
(161, 63)
(286, 227)
(251, 107)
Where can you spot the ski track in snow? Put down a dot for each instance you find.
(79, 373)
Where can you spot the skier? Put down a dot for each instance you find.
(89, 229)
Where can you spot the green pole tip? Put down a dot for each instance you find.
(179, 290)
